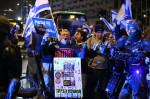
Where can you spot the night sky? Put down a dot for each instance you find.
(6, 5)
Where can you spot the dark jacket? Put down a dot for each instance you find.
(10, 63)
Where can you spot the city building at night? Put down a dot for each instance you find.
(90, 8)
(19, 9)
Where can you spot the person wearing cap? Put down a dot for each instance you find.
(10, 63)
(135, 79)
(98, 62)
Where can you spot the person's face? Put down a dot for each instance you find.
(111, 38)
(114, 41)
(65, 37)
(132, 30)
(78, 37)
(99, 34)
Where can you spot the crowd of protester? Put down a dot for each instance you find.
(95, 49)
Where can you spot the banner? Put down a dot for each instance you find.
(67, 78)
(49, 23)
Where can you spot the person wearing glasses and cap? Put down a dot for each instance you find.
(97, 46)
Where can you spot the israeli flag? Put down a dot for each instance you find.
(40, 5)
(113, 15)
(110, 27)
(29, 24)
(125, 10)
(128, 11)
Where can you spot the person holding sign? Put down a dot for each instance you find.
(61, 49)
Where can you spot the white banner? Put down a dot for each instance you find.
(67, 77)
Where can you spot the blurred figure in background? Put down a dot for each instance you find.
(35, 44)
(147, 33)
(13, 38)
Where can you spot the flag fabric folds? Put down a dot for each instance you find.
(125, 10)
(113, 15)
(128, 11)
(40, 5)
(29, 24)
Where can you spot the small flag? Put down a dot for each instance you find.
(125, 10)
(111, 28)
(40, 5)
(113, 15)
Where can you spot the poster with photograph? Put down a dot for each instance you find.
(49, 23)
(67, 77)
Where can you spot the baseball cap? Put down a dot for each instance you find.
(99, 27)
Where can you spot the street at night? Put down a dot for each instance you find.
(66, 49)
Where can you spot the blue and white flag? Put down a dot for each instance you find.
(125, 10)
(113, 15)
(86, 26)
(128, 11)
(110, 27)
(40, 5)
(29, 27)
